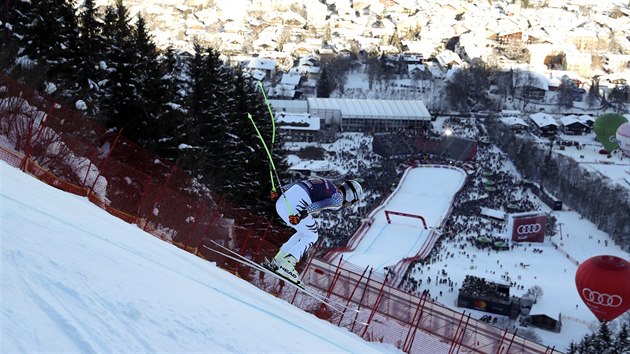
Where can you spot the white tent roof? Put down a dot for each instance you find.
(378, 109)
(289, 106)
(312, 165)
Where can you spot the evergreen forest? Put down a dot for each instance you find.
(190, 109)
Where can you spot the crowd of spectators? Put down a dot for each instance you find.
(479, 287)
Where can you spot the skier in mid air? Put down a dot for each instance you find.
(296, 206)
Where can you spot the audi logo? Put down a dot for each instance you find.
(528, 229)
(603, 299)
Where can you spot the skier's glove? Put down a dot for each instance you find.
(274, 195)
(295, 219)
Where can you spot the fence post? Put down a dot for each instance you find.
(160, 195)
(499, 347)
(41, 125)
(511, 341)
(330, 287)
(352, 295)
(89, 168)
(263, 238)
(411, 335)
(451, 349)
(102, 165)
(365, 290)
(216, 214)
(250, 232)
(195, 222)
(379, 298)
(27, 147)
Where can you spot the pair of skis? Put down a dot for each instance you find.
(332, 304)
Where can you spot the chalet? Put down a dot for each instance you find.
(510, 113)
(388, 49)
(533, 85)
(288, 86)
(232, 43)
(514, 123)
(586, 119)
(268, 66)
(417, 71)
(474, 44)
(293, 19)
(263, 44)
(573, 125)
(579, 62)
(308, 66)
(409, 58)
(544, 123)
(421, 48)
(448, 59)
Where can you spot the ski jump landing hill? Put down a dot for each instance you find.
(407, 224)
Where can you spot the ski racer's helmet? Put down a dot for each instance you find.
(352, 190)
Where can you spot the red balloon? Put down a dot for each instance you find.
(604, 285)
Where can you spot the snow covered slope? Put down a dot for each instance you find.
(76, 279)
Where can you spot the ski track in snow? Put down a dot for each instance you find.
(60, 304)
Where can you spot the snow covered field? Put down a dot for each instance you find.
(78, 280)
(617, 167)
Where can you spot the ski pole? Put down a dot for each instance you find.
(273, 139)
(273, 120)
(273, 166)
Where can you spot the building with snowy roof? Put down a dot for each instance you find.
(310, 168)
(349, 114)
(586, 119)
(298, 126)
(268, 66)
(514, 123)
(544, 123)
(572, 124)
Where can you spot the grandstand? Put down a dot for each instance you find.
(401, 145)
(480, 294)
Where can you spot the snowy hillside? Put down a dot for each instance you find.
(76, 279)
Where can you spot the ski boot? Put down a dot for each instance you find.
(284, 264)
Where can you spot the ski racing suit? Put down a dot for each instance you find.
(313, 195)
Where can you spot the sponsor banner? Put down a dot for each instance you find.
(529, 229)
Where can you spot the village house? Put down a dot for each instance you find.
(268, 66)
(544, 124)
(573, 125)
